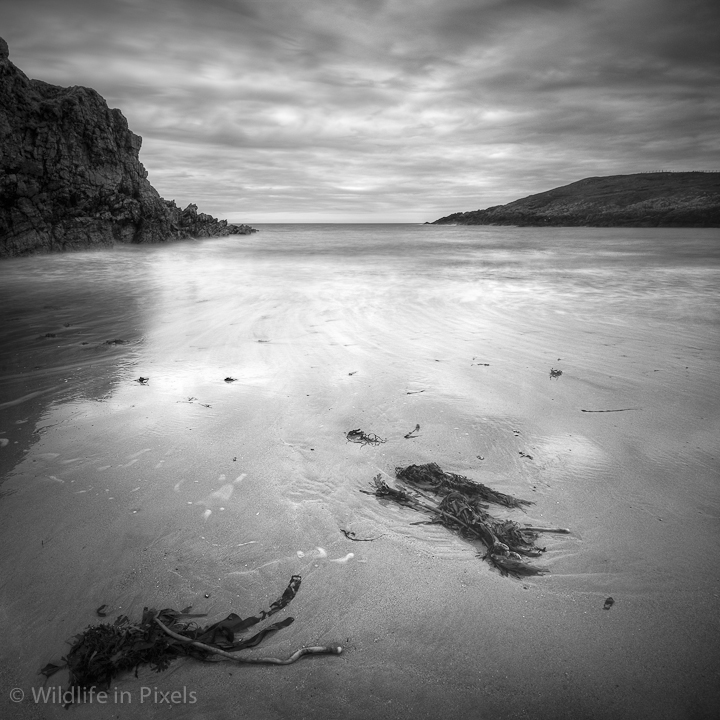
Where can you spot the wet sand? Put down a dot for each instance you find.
(159, 494)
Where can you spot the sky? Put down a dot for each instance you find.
(265, 111)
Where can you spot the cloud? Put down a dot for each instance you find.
(386, 108)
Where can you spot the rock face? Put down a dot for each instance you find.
(666, 199)
(70, 176)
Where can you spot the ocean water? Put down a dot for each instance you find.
(186, 488)
(620, 277)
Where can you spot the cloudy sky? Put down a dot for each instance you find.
(386, 110)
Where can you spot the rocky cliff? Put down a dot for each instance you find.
(665, 199)
(70, 175)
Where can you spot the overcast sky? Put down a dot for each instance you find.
(386, 110)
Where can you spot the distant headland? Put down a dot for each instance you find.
(71, 178)
(660, 199)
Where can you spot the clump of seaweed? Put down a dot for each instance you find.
(463, 508)
(363, 438)
(102, 652)
(432, 477)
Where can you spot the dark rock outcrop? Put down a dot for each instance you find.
(70, 175)
(664, 199)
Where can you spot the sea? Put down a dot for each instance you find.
(175, 430)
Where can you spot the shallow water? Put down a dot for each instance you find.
(160, 493)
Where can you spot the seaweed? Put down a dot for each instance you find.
(620, 410)
(432, 477)
(462, 506)
(350, 535)
(413, 432)
(102, 652)
(363, 438)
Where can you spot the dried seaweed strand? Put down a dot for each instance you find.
(620, 410)
(413, 432)
(314, 650)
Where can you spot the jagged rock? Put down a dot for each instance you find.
(662, 199)
(70, 174)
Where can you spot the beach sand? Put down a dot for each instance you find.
(189, 490)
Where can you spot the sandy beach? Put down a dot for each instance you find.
(191, 490)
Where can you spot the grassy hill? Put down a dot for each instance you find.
(665, 199)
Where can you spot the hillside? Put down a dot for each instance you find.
(664, 199)
(70, 174)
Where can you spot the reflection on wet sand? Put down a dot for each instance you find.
(187, 489)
